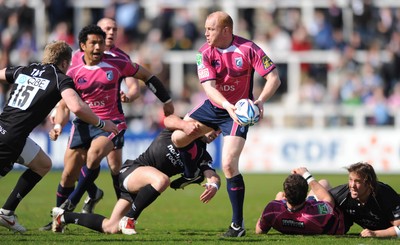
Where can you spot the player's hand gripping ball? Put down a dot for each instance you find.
(247, 112)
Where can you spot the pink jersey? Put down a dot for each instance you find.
(114, 51)
(233, 68)
(99, 85)
(315, 217)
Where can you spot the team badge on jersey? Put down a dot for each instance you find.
(239, 62)
(267, 62)
(323, 209)
(199, 60)
(110, 75)
(81, 80)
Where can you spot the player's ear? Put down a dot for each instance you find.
(65, 65)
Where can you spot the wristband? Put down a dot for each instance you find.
(308, 177)
(100, 124)
(225, 104)
(57, 126)
(213, 185)
(397, 230)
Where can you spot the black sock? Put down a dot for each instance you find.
(25, 184)
(236, 189)
(91, 221)
(115, 179)
(92, 190)
(144, 198)
(131, 212)
(63, 193)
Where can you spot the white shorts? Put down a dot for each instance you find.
(31, 149)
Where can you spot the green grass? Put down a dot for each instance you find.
(176, 217)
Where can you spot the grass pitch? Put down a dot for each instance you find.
(176, 217)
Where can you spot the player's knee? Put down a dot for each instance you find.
(162, 183)
(229, 170)
(41, 164)
(67, 179)
(114, 168)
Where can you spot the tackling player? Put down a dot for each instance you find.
(142, 180)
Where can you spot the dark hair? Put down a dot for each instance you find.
(367, 173)
(295, 188)
(88, 30)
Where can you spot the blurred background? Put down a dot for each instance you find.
(339, 62)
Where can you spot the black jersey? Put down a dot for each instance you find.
(375, 214)
(164, 156)
(35, 91)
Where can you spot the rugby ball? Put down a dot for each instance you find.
(247, 112)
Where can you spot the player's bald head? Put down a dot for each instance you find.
(223, 19)
(104, 21)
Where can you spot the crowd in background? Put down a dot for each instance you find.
(372, 82)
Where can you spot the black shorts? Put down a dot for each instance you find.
(123, 174)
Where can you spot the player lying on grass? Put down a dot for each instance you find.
(292, 213)
(371, 204)
(142, 180)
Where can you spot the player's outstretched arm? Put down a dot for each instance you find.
(393, 231)
(211, 187)
(157, 87)
(320, 192)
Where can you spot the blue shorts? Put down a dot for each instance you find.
(82, 134)
(217, 118)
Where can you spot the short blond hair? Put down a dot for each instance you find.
(56, 52)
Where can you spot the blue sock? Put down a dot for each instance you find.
(236, 189)
(86, 178)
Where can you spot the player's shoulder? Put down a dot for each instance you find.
(276, 204)
(114, 59)
(245, 44)
(205, 48)
(386, 190)
(340, 193)
(119, 52)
